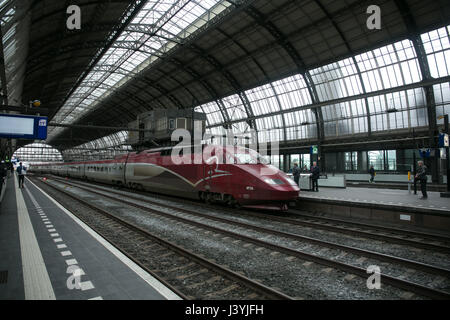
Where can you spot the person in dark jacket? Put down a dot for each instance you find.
(421, 175)
(296, 173)
(315, 171)
(3, 173)
(372, 173)
(21, 172)
(3, 169)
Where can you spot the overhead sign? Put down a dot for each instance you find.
(443, 140)
(425, 153)
(14, 126)
(314, 150)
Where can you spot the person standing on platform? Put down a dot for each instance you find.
(296, 173)
(305, 169)
(372, 173)
(421, 175)
(315, 176)
(21, 170)
(3, 174)
(3, 169)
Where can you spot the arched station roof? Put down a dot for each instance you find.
(306, 71)
(38, 153)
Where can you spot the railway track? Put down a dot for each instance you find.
(418, 235)
(184, 264)
(416, 239)
(394, 281)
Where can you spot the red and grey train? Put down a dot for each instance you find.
(230, 174)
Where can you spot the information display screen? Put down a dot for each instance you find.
(16, 126)
(23, 127)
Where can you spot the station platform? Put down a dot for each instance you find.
(395, 185)
(389, 205)
(389, 198)
(46, 253)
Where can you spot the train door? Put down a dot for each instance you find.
(208, 169)
(204, 173)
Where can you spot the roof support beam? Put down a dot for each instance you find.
(282, 40)
(100, 8)
(207, 86)
(263, 72)
(3, 82)
(132, 10)
(231, 79)
(350, 50)
(411, 25)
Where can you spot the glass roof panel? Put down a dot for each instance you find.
(263, 100)
(104, 148)
(213, 113)
(337, 80)
(38, 153)
(442, 98)
(235, 108)
(157, 25)
(292, 92)
(389, 66)
(437, 47)
(403, 109)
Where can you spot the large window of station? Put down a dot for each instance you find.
(437, 47)
(379, 70)
(104, 148)
(389, 161)
(277, 161)
(385, 160)
(301, 159)
(376, 159)
(351, 161)
(38, 153)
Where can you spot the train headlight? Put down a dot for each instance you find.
(291, 182)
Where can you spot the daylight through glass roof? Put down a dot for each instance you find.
(387, 67)
(157, 28)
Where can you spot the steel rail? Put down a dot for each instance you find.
(396, 282)
(336, 229)
(411, 233)
(225, 272)
(368, 253)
